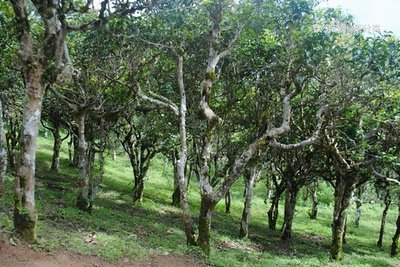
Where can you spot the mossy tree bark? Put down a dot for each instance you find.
(206, 208)
(343, 192)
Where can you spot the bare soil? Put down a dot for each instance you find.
(21, 256)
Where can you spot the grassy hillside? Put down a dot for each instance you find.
(118, 229)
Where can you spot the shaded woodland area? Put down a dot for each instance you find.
(221, 120)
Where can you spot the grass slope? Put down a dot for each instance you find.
(118, 229)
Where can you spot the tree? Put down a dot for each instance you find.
(3, 152)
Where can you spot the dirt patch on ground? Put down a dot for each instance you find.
(21, 256)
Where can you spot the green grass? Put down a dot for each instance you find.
(124, 230)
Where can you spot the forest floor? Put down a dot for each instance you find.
(21, 256)
(150, 233)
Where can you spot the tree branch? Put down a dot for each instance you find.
(314, 138)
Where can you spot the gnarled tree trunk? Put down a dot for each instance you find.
(343, 192)
(251, 176)
(388, 201)
(3, 152)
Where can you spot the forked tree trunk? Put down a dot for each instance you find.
(251, 177)
(395, 239)
(343, 192)
(203, 241)
(314, 198)
(55, 162)
(83, 184)
(273, 211)
(290, 206)
(388, 201)
(3, 152)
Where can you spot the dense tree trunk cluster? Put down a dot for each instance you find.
(239, 80)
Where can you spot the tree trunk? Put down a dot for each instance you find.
(3, 152)
(83, 185)
(314, 198)
(343, 192)
(89, 169)
(138, 188)
(55, 162)
(228, 202)
(273, 211)
(206, 207)
(395, 240)
(12, 139)
(251, 176)
(176, 198)
(75, 159)
(388, 201)
(290, 205)
(25, 215)
(70, 150)
(358, 207)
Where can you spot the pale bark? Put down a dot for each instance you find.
(3, 152)
(182, 161)
(187, 219)
(38, 74)
(251, 177)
